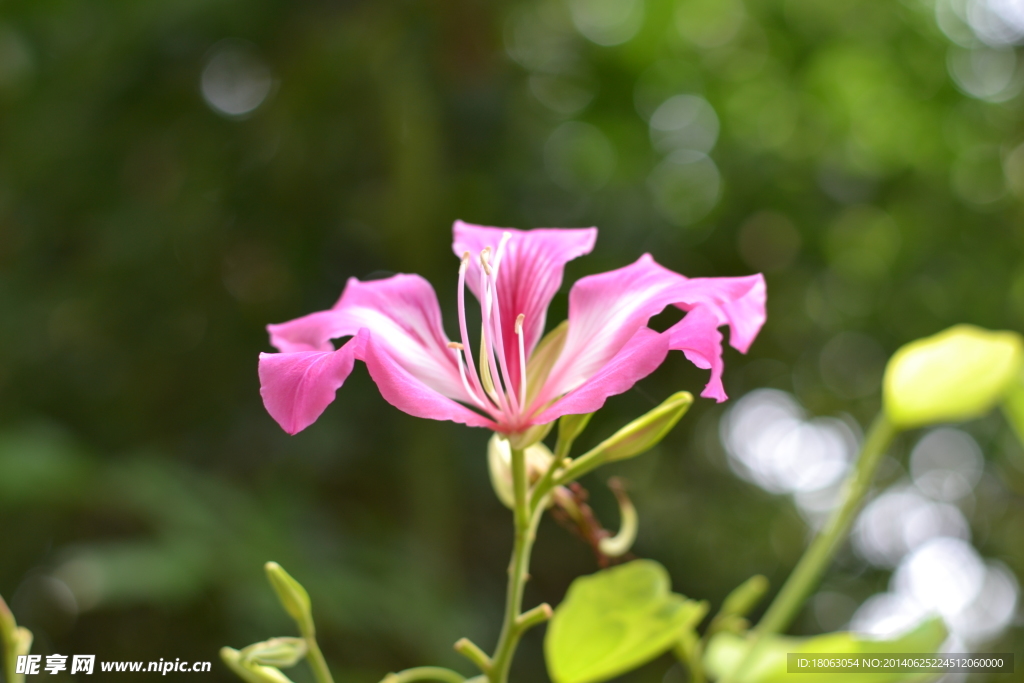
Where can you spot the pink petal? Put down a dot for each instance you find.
(697, 336)
(738, 301)
(298, 386)
(641, 356)
(312, 332)
(529, 275)
(401, 312)
(607, 309)
(408, 393)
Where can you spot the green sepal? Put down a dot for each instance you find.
(958, 374)
(543, 358)
(616, 620)
(768, 664)
(292, 596)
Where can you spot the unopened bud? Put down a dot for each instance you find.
(499, 463)
(282, 653)
(292, 595)
(647, 431)
(745, 596)
(22, 642)
(7, 622)
(570, 427)
(251, 673)
(958, 374)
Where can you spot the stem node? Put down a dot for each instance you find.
(471, 651)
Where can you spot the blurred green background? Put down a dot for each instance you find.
(175, 175)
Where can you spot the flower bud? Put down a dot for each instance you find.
(292, 595)
(646, 431)
(278, 652)
(958, 374)
(499, 463)
(251, 673)
(7, 622)
(569, 428)
(16, 640)
(745, 596)
(22, 642)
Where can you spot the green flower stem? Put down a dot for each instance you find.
(527, 514)
(819, 554)
(315, 657)
(424, 673)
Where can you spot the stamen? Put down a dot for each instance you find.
(462, 376)
(505, 237)
(487, 323)
(456, 345)
(522, 357)
(485, 256)
(478, 393)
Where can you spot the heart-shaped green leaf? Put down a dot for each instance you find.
(768, 665)
(614, 621)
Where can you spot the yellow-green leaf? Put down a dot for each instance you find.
(616, 620)
(769, 663)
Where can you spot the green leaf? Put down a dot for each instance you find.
(768, 665)
(958, 374)
(614, 621)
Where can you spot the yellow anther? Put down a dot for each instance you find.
(456, 345)
(519, 323)
(485, 256)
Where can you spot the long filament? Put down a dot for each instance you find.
(492, 365)
(463, 267)
(499, 340)
(462, 375)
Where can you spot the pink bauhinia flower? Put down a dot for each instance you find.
(505, 377)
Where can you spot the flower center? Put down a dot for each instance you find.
(490, 388)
